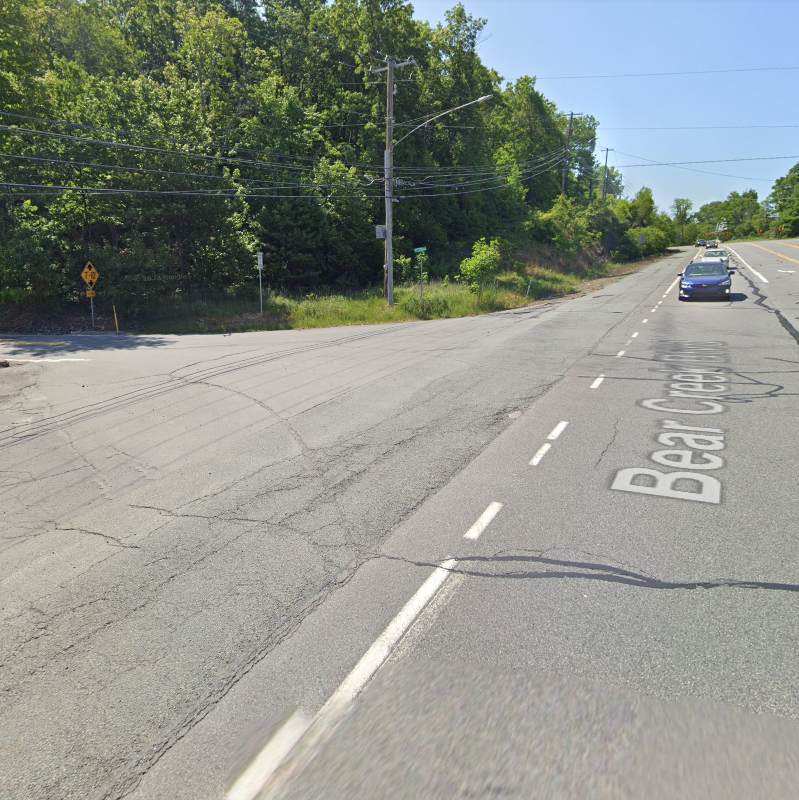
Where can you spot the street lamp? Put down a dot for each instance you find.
(389, 173)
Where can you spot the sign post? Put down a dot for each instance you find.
(260, 280)
(90, 275)
(421, 251)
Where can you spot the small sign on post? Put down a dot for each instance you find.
(420, 251)
(90, 275)
(260, 280)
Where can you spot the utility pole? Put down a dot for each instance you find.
(388, 166)
(572, 115)
(605, 182)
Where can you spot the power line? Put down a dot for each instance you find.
(59, 189)
(710, 161)
(692, 169)
(143, 170)
(171, 140)
(184, 192)
(702, 128)
(280, 166)
(662, 74)
(144, 148)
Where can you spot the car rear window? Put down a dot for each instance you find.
(705, 269)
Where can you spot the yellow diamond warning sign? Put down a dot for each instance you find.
(90, 275)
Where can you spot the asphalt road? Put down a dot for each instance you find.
(204, 533)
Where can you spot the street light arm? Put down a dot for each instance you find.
(443, 113)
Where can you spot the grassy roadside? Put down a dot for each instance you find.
(442, 300)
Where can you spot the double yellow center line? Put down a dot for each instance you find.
(775, 253)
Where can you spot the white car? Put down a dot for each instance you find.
(722, 255)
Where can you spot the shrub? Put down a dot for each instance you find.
(629, 249)
(482, 264)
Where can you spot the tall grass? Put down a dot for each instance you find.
(442, 300)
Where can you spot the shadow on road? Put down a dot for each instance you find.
(33, 346)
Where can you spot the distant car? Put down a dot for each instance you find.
(711, 243)
(700, 243)
(705, 280)
(722, 255)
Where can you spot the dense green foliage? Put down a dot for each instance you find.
(168, 141)
(483, 264)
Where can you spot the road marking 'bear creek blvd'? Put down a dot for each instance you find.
(698, 375)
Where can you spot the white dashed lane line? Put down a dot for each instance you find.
(483, 521)
(620, 353)
(598, 382)
(542, 451)
(635, 335)
(674, 283)
(300, 729)
(644, 321)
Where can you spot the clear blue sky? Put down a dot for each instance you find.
(547, 39)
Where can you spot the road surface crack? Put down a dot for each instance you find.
(581, 570)
(609, 444)
(113, 540)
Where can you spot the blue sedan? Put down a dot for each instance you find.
(705, 280)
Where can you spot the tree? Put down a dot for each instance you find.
(784, 200)
(642, 208)
(682, 207)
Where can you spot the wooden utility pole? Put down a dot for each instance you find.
(572, 115)
(388, 167)
(605, 176)
(566, 160)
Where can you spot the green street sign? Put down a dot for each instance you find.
(419, 249)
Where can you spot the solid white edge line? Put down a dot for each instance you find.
(383, 645)
(542, 451)
(249, 784)
(557, 430)
(348, 690)
(620, 353)
(597, 382)
(748, 266)
(483, 521)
